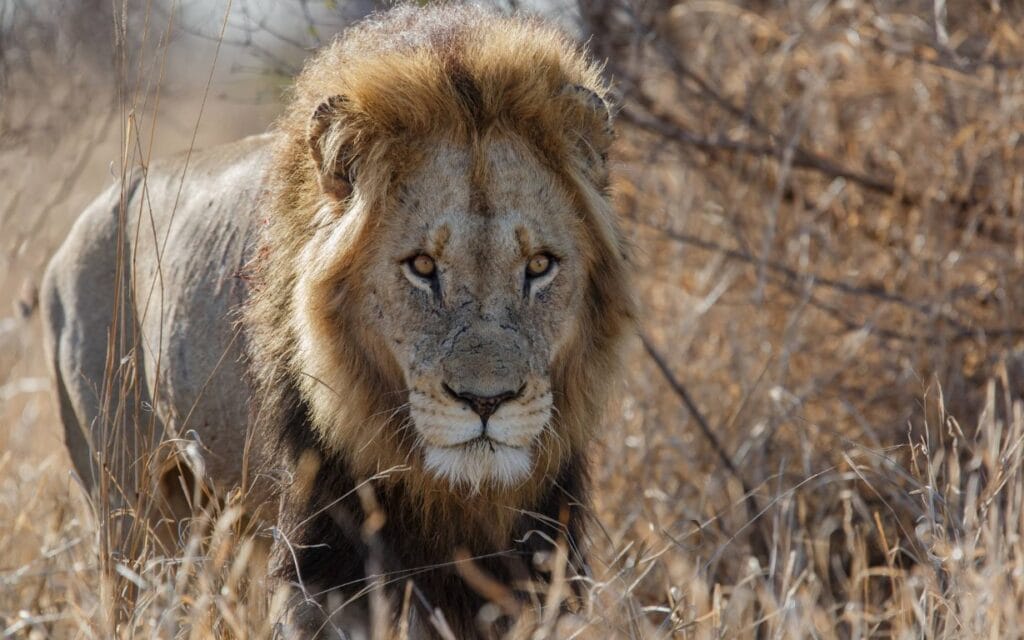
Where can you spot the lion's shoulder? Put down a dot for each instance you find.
(174, 240)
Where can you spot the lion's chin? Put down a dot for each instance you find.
(478, 462)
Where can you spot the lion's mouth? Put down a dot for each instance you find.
(482, 440)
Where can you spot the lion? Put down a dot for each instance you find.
(410, 297)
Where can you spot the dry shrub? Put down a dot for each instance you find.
(820, 434)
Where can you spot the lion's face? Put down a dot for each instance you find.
(459, 286)
(475, 287)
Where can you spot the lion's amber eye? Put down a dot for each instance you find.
(538, 265)
(423, 265)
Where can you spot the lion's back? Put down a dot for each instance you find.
(176, 252)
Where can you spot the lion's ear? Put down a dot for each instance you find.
(326, 146)
(590, 118)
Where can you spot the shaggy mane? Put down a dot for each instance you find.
(416, 74)
(396, 86)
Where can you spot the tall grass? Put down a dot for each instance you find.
(820, 433)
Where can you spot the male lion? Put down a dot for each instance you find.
(432, 291)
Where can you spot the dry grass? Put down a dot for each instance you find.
(827, 201)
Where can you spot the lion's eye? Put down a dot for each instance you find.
(423, 265)
(538, 265)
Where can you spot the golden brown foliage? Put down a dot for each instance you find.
(827, 205)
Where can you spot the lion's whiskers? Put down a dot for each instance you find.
(383, 423)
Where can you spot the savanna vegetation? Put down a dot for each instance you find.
(819, 431)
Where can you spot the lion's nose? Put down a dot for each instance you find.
(484, 406)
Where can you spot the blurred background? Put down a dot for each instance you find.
(819, 434)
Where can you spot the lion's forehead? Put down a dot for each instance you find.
(497, 200)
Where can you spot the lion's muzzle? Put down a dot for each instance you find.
(483, 405)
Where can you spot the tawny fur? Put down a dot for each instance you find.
(369, 109)
(403, 82)
(519, 110)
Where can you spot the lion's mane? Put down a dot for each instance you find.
(404, 80)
